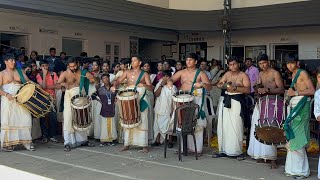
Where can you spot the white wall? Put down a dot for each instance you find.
(307, 38)
(94, 34)
(206, 5)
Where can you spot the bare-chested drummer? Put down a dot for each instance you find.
(269, 83)
(70, 79)
(230, 115)
(16, 122)
(296, 125)
(194, 80)
(137, 136)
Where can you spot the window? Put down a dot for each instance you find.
(113, 52)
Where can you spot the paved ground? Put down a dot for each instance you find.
(49, 160)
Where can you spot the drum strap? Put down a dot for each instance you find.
(143, 103)
(138, 80)
(194, 80)
(294, 111)
(84, 82)
(201, 113)
(23, 80)
(295, 78)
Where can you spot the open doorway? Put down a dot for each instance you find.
(282, 51)
(12, 42)
(73, 47)
(238, 51)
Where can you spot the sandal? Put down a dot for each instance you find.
(155, 144)
(240, 157)
(67, 148)
(219, 155)
(8, 149)
(31, 148)
(87, 143)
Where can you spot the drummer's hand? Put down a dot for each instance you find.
(318, 118)
(262, 90)
(197, 85)
(230, 88)
(220, 85)
(10, 97)
(113, 89)
(65, 85)
(291, 92)
(140, 85)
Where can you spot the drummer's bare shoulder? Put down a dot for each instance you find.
(124, 75)
(245, 79)
(62, 77)
(146, 78)
(203, 78)
(176, 76)
(17, 76)
(278, 79)
(304, 84)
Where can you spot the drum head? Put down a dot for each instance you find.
(182, 98)
(127, 94)
(80, 102)
(26, 92)
(270, 135)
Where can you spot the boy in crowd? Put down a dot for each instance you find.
(108, 122)
(47, 80)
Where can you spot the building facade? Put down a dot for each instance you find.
(115, 29)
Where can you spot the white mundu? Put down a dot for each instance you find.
(258, 150)
(151, 110)
(163, 123)
(230, 128)
(95, 111)
(16, 122)
(72, 137)
(138, 136)
(108, 129)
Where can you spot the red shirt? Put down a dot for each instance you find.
(50, 80)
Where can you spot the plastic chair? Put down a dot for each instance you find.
(185, 126)
(250, 104)
(210, 116)
(314, 124)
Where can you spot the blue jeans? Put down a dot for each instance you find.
(50, 131)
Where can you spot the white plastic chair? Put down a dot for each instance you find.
(210, 116)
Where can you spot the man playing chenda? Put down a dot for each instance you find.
(140, 81)
(231, 111)
(16, 122)
(196, 82)
(70, 79)
(269, 85)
